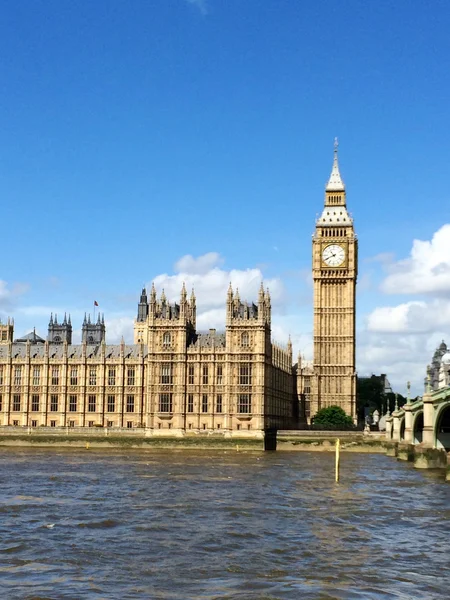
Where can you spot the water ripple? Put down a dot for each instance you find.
(181, 525)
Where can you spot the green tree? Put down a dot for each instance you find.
(370, 395)
(332, 417)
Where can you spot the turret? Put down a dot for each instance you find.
(193, 307)
(59, 333)
(152, 304)
(6, 331)
(183, 302)
(268, 306)
(335, 212)
(93, 333)
(143, 306)
(237, 299)
(229, 306)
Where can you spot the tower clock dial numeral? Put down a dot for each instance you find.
(333, 255)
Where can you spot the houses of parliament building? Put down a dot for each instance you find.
(236, 382)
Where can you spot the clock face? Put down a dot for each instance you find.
(333, 255)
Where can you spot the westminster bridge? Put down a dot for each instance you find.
(420, 430)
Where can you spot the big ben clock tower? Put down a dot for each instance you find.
(334, 263)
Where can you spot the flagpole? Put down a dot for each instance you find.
(94, 312)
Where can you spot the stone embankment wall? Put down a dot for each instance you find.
(324, 441)
(92, 437)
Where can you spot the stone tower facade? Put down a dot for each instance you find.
(59, 333)
(6, 331)
(93, 333)
(334, 265)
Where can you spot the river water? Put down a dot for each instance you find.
(187, 525)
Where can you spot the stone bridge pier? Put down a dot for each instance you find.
(420, 430)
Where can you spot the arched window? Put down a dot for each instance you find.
(167, 339)
(245, 341)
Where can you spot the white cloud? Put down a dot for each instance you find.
(394, 319)
(118, 327)
(9, 295)
(211, 282)
(411, 317)
(399, 340)
(200, 265)
(402, 357)
(426, 271)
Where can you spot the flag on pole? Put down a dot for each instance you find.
(95, 303)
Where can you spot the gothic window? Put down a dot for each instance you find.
(307, 386)
(36, 375)
(16, 402)
(4, 335)
(244, 403)
(57, 339)
(245, 374)
(130, 404)
(111, 376)
(111, 404)
(131, 376)
(219, 375)
(35, 403)
(219, 403)
(245, 340)
(167, 339)
(55, 375)
(165, 403)
(17, 375)
(92, 376)
(166, 373)
(1, 375)
(191, 374)
(91, 339)
(91, 403)
(1, 402)
(205, 375)
(74, 376)
(72, 404)
(190, 406)
(204, 403)
(54, 403)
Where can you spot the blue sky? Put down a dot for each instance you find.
(136, 133)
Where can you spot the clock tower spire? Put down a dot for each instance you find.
(334, 268)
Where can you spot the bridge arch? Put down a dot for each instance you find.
(442, 427)
(418, 427)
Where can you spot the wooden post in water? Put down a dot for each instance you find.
(338, 447)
